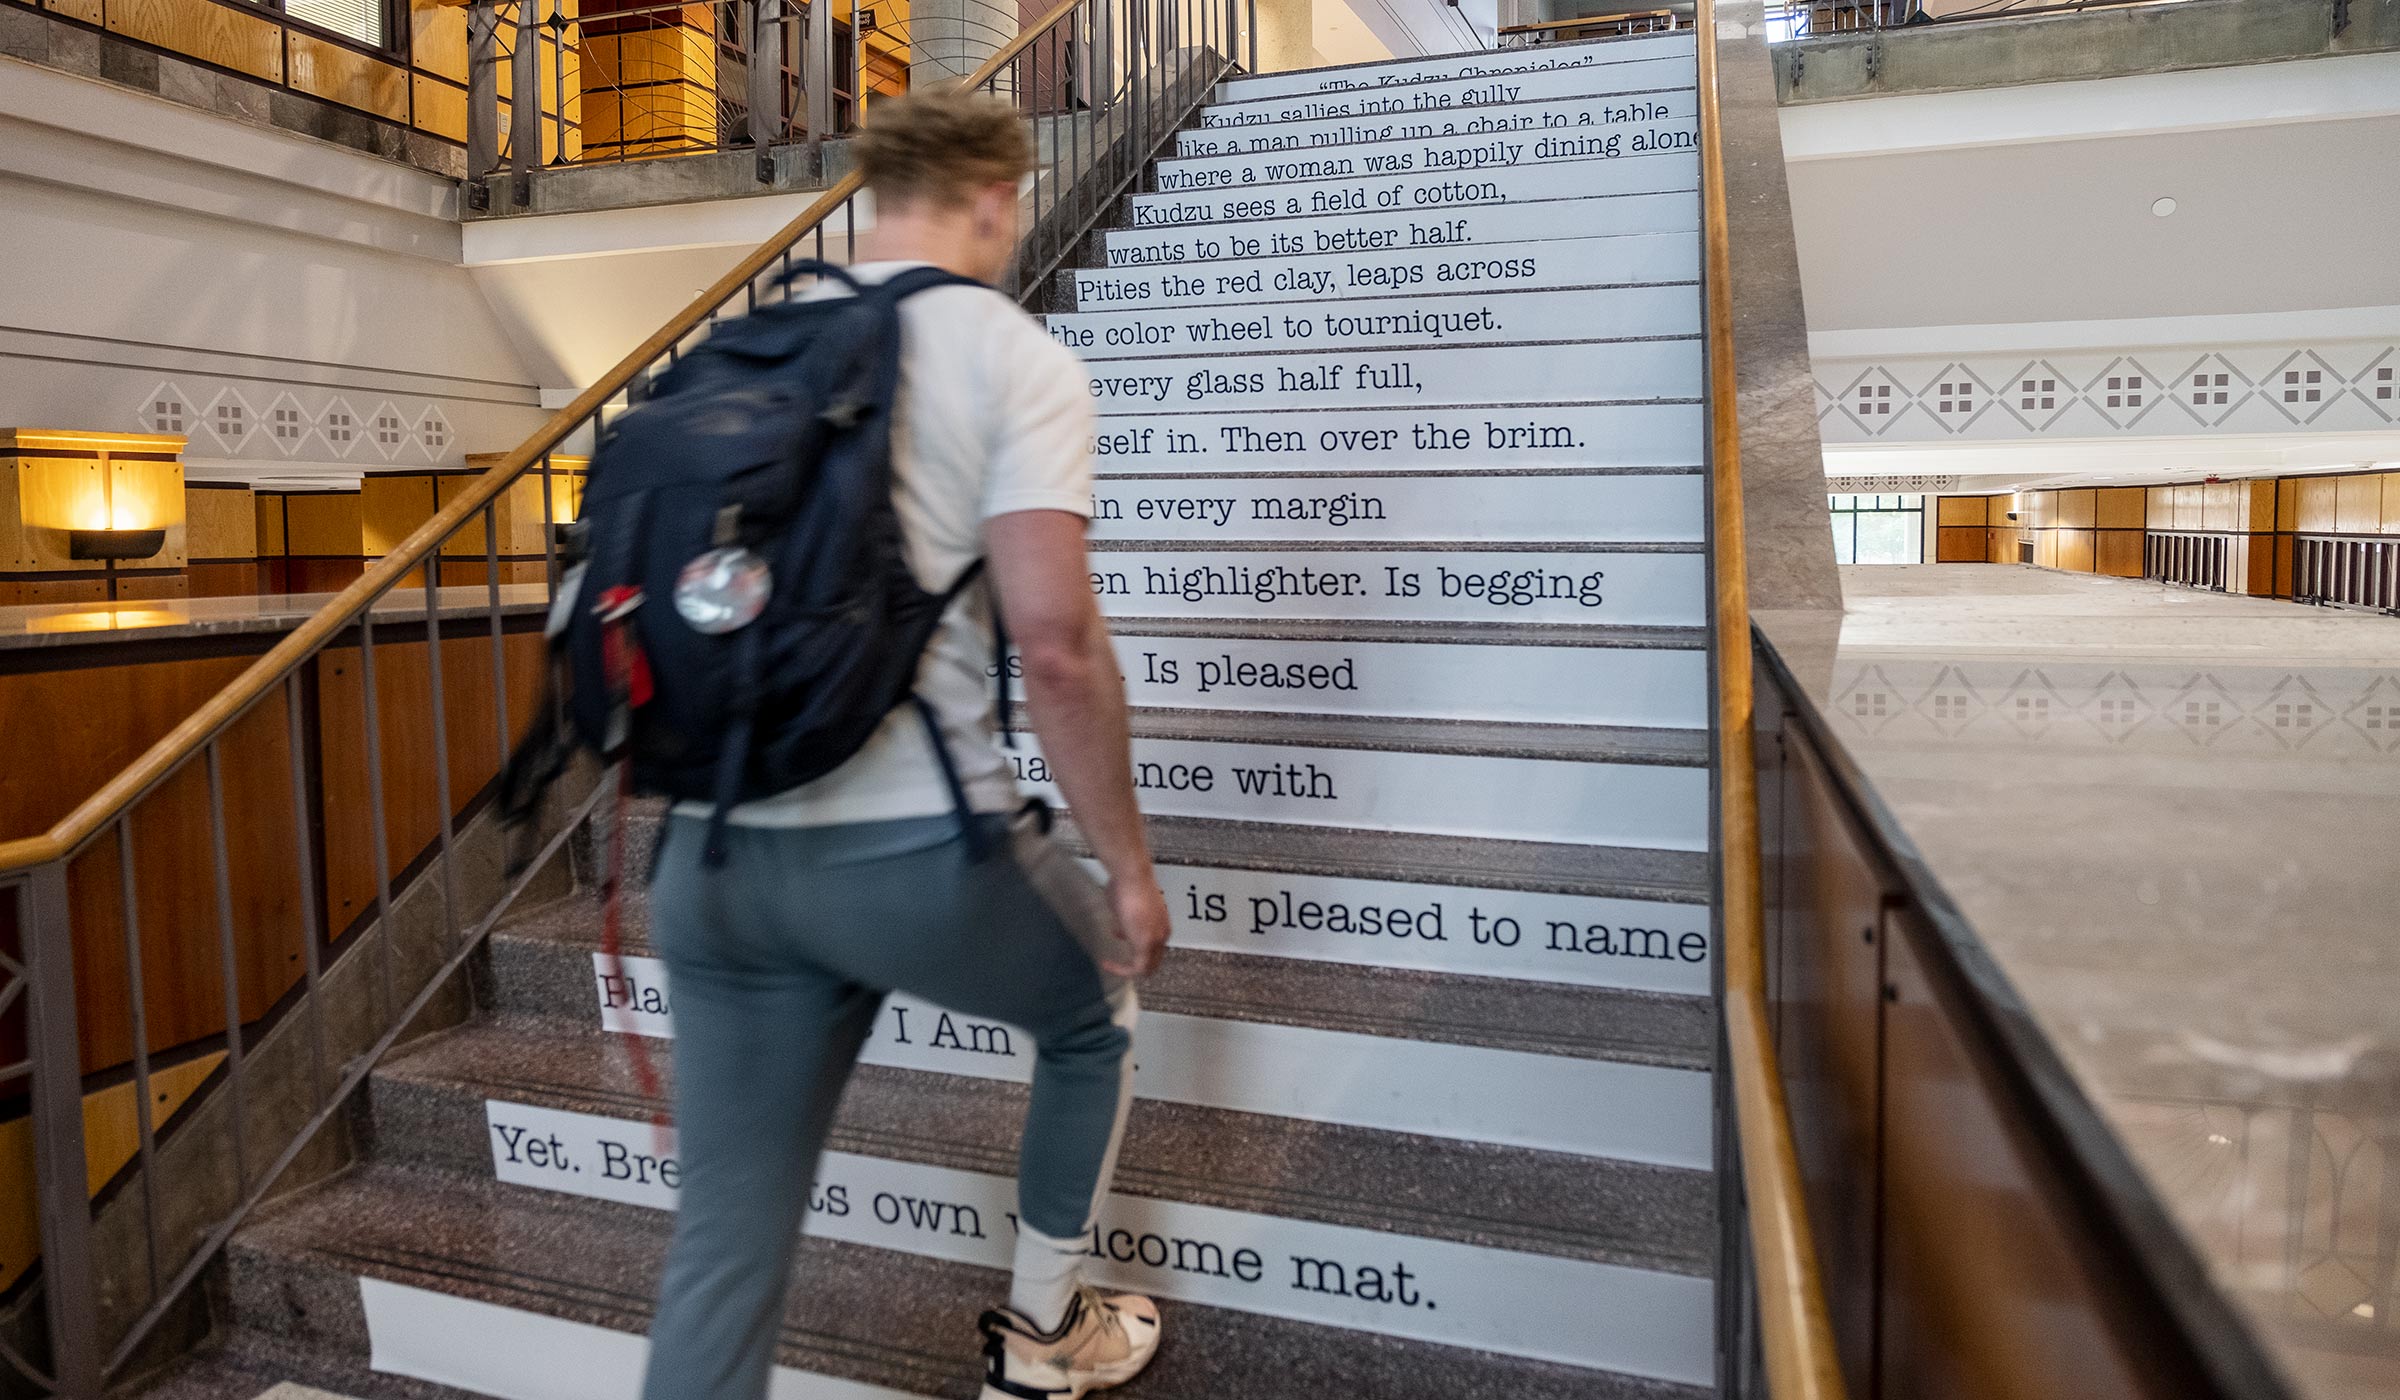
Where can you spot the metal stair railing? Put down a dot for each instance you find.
(1114, 78)
(1770, 1276)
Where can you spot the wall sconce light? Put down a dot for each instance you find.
(114, 545)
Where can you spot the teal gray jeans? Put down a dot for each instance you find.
(778, 962)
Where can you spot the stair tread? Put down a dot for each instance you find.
(1599, 743)
(1598, 1023)
(1546, 634)
(1557, 867)
(873, 1315)
(1630, 1213)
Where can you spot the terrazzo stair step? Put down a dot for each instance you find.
(1623, 260)
(1643, 369)
(1622, 583)
(545, 967)
(1521, 315)
(429, 1110)
(481, 1277)
(1181, 433)
(249, 1365)
(1434, 193)
(1406, 74)
(1459, 92)
(1635, 677)
(1594, 785)
(1401, 209)
(1629, 873)
(1397, 505)
(1665, 107)
(1464, 154)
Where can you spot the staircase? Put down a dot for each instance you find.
(1400, 525)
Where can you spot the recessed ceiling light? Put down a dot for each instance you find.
(2163, 206)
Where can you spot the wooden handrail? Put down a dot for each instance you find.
(172, 750)
(1796, 1334)
(1587, 21)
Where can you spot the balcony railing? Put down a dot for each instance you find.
(169, 866)
(624, 80)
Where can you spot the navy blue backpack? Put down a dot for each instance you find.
(745, 617)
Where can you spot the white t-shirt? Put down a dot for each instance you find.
(994, 416)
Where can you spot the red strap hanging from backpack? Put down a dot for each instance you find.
(630, 687)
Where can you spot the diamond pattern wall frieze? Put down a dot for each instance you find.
(167, 409)
(230, 420)
(2303, 386)
(2136, 391)
(303, 421)
(288, 425)
(2038, 395)
(2378, 385)
(2125, 392)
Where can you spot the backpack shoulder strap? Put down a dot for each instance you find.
(921, 279)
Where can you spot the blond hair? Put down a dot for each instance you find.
(938, 145)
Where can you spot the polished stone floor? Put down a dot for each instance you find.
(164, 619)
(2174, 818)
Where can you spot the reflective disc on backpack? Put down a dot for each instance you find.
(723, 590)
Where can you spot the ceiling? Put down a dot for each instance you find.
(1408, 28)
(2024, 216)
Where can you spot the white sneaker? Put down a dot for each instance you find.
(1104, 1341)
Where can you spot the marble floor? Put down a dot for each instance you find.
(2172, 817)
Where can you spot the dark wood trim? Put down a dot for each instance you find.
(114, 456)
(92, 575)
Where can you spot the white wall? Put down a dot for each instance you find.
(1989, 237)
(158, 254)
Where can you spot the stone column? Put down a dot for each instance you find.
(948, 39)
(1286, 35)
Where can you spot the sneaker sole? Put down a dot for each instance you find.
(1108, 1379)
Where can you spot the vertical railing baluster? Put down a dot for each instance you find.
(236, 1076)
(757, 21)
(525, 103)
(138, 1005)
(312, 934)
(491, 595)
(549, 528)
(60, 1169)
(377, 826)
(441, 765)
(483, 97)
(559, 24)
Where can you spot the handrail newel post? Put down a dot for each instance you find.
(525, 105)
(60, 1173)
(764, 39)
(483, 101)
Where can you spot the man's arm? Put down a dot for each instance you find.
(1043, 579)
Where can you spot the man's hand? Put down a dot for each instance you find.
(1142, 926)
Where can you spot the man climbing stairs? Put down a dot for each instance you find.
(1400, 525)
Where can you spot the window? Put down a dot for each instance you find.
(1878, 529)
(360, 21)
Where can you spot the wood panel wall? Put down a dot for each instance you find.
(55, 481)
(222, 533)
(311, 541)
(2105, 530)
(103, 704)
(418, 81)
